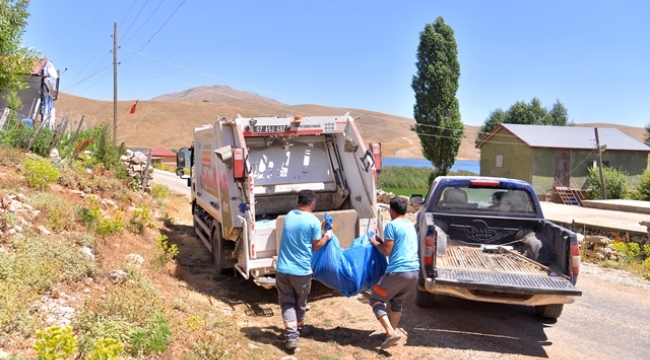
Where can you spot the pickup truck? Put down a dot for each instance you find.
(486, 239)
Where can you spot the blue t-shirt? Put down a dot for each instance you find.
(404, 256)
(300, 229)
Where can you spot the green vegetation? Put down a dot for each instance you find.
(16, 60)
(55, 343)
(616, 184)
(636, 258)
(436, 111)
(406, 180)
(643, 190)
(527, 114)
(166, 251)
(39, 172)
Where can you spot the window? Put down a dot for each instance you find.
(499, 161)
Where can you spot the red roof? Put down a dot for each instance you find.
(160, 151)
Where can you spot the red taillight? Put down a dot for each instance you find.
(376, 153)
(239, 167)
(429, 243)
(575, 259)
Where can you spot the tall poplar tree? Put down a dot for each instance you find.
(436, 109)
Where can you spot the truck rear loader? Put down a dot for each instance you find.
(245, 174)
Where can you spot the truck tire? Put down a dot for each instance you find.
(217, 254)
(424, 298)
(552, 311)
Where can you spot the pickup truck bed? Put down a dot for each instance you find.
(506, 270)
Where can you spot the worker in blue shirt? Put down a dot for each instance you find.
(400, 244)
(301, 234)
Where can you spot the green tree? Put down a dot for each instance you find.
(436, 111)
(647, 134)
(532, 113)
(15, 60)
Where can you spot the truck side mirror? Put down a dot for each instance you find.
(416, 199)
(181, 164)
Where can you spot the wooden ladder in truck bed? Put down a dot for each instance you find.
(503, 270)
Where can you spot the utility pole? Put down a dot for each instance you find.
(600, 166)
(114, 83)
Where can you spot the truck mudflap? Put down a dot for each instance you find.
(503, 271)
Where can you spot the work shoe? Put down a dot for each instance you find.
(291, 344)
(391, 341)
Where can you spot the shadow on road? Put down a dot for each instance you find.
(452, 323)
(469, 325)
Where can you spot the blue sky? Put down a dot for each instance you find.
(594, 56)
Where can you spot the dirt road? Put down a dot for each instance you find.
(609, 321)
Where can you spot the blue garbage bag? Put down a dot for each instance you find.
(352, 270)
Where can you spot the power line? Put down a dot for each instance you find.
(95, 83)
(136, 18)
(160, 29)
(145, 23)
(88, 77)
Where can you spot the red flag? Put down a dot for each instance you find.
(133, 107)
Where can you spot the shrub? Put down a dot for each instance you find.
(17, 135)
(107, 227)
(159, 192)
(10, 156)
(39, 172)
(55, 343)
(140, 220)
(615, 183)
(89, 216)
(167, 252)
(60, 214)
(106, 349)
(643, 191)
(153, 339)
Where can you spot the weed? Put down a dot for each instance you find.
(208, 348)
(107, 227)
(55, 343)
(152, 340)
(39, 172)
(60, 215)
(140, 220)
(160, 193)
(89, 216)
(106, 349)
(10, 156)
(195, 322)
(167, 252)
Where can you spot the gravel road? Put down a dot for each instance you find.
(610, 321)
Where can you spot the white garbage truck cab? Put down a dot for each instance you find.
(245, 174)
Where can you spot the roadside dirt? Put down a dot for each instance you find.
(609, 321)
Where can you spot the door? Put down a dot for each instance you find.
(562, 167)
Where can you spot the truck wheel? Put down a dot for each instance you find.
(552, 311)
(217, 256)
(424, 298)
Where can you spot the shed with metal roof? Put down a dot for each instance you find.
(558, 156)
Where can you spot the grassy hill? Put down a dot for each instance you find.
(168, 119)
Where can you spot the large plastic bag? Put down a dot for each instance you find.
(352, 270)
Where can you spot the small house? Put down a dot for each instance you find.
(161, 155)
(549, 157)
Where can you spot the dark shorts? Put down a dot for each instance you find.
(394, 288)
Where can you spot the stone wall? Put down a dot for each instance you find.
(136, 164)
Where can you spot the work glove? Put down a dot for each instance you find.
(329, 234)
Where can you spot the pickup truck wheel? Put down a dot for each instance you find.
(216, 249)
(424, 298)
(552, 311)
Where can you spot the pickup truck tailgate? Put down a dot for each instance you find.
(503, 271)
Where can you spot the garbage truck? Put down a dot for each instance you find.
(245, 174)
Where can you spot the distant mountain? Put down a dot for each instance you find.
(169, 119)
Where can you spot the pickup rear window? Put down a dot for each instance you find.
(486, 199)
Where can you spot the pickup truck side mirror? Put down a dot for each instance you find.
(416, 199)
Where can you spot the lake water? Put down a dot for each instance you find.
(468, 165)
